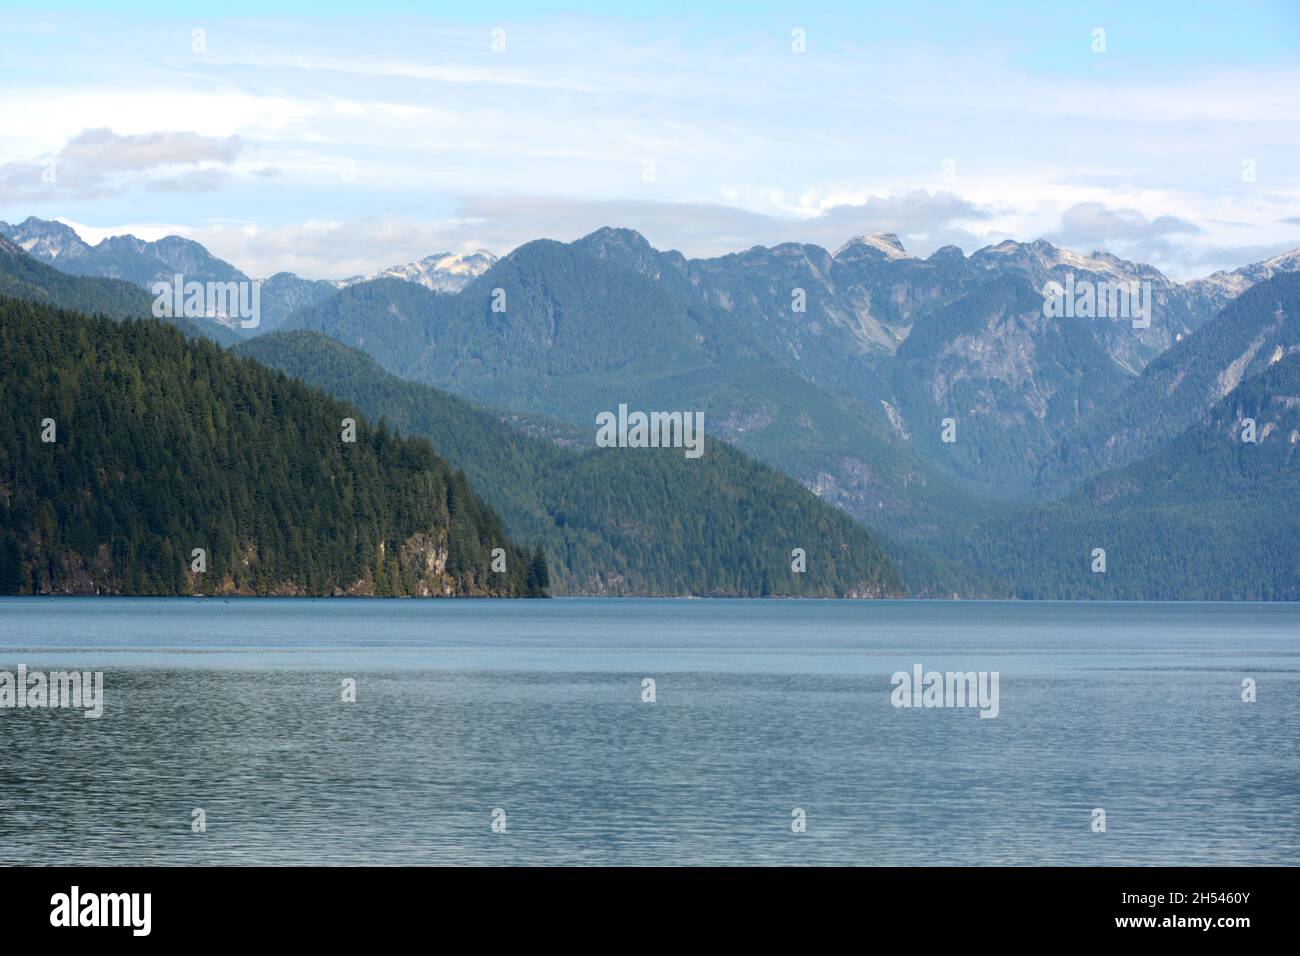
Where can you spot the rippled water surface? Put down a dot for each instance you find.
(535, 708)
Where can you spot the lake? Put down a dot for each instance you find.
(535, 715)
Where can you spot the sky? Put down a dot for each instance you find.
(334, 139)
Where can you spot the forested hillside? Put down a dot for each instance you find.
(23, 277)
(125, 448)
(615, 521)
(605, 320)
(1211, 516)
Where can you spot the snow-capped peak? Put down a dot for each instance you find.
(885, 242)
(44, 239)
(440, 272)
(1042, 259)
(1237, 281)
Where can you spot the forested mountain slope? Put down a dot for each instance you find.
(1211, 516)
(124, 448)
(614, 520)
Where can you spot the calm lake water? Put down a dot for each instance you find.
(535, 708)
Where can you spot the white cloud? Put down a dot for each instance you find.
(389, 141)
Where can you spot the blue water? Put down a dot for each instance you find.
(535, 708)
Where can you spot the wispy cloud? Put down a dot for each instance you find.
(1093, 223)
(99, 162)
(102, 150)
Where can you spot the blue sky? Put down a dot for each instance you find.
(339, 143)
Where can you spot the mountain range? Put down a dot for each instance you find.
(143, 263)
(602, 522)
(933, 399)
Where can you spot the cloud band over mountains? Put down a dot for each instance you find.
(335, 146)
